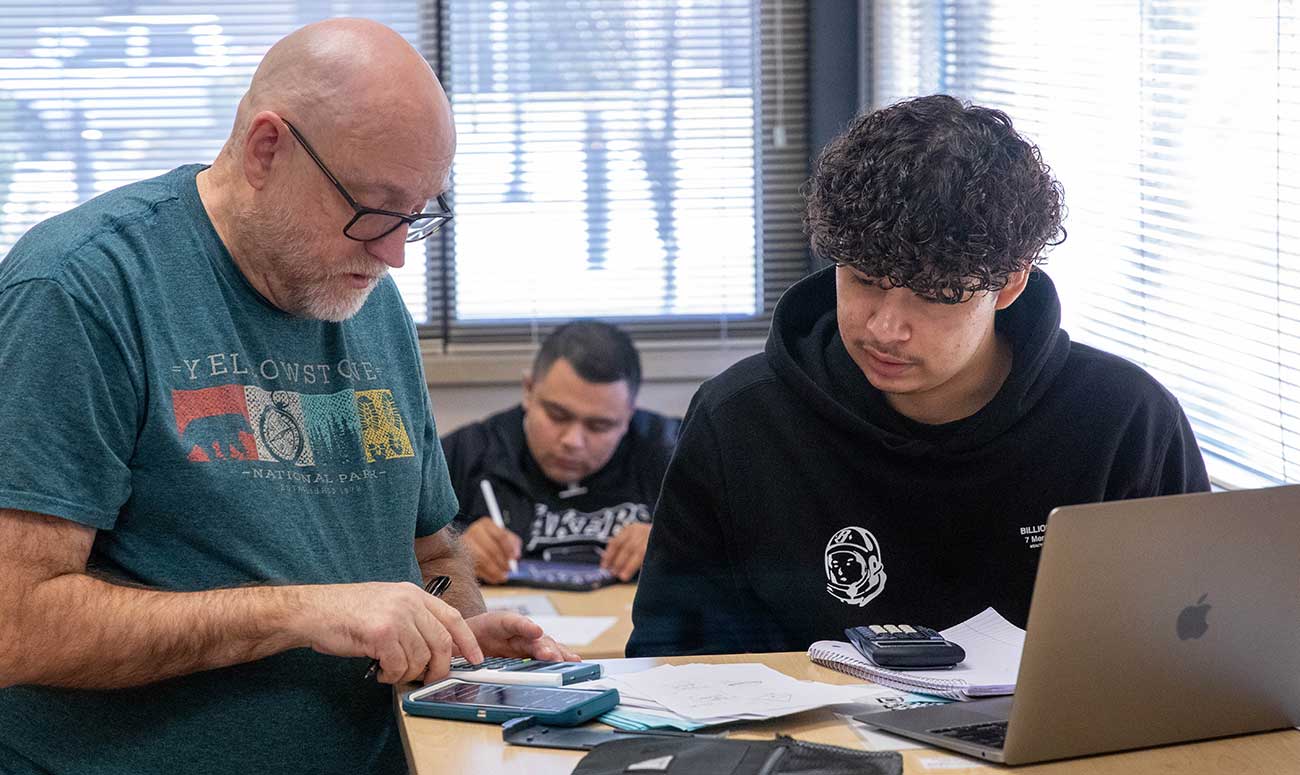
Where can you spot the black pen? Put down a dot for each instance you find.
(436, 586)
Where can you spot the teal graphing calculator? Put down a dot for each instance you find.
(525, 672)
(453, 698)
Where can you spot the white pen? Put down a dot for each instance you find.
(494, 511)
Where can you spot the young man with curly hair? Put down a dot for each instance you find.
(893, 454)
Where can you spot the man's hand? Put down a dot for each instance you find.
(125, 636)
(506, 634)
(626, 551)
(492, 549)
(412, 633)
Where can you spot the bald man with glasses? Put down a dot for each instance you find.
(221, 486)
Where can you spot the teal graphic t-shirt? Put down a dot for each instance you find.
(213, 441)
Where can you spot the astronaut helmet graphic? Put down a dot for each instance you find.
(855, 569)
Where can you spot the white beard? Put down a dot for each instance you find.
(302, 287)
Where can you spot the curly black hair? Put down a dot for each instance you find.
(932, 195)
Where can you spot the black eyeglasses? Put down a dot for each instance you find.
(371, 224)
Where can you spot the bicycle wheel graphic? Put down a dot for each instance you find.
(281, 433)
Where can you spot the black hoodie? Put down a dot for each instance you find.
(799, 503)
(547, 515)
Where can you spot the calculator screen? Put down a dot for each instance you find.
(530, 697)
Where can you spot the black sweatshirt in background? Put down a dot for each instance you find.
(544, 514)
(799, 503)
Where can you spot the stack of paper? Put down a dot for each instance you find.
(689, 697)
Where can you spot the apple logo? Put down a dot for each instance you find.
(1191, 622)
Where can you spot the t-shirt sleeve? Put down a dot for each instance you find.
(438, 502)
(69, 408)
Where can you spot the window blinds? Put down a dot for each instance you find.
(97, 95)
(637, 160)
(1173, 128)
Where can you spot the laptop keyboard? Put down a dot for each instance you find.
(991, 735)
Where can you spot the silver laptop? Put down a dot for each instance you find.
(1153, 621)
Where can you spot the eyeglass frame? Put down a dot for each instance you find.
(360, 211)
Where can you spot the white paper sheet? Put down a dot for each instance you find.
(992, 643)
(574, 630)
(640, 693)
(528, 605)
(733, 691)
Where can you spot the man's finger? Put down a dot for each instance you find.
(611, 552)
(627, 565)
(517, 625)
(461, 635)
(615, 553)
(418, 655)
(502, 543)
(439, 664)
(392, 662)
(430, 631)
(541, 649)
(545, 648)
(489, 562)
(438, 644)
(508, 634)
(493, 569)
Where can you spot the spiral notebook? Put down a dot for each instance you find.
(992, 646)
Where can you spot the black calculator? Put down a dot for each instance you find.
(905, 646)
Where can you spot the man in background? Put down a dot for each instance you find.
(575, 468)
(221, 485)
(893, 454)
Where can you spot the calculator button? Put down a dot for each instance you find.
(489, 663)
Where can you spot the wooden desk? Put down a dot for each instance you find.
(614, 600)
(435, 746)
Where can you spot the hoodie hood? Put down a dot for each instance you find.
(805, 350)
